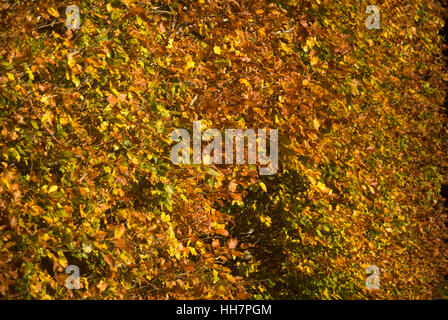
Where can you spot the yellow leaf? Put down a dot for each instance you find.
(245, 82)
(217, 50)
(102, 285)
(314, 60)
(48, 219)
(266, 220)
(122, 213)
(118, 233)
(87, 248)
(30, 73)
(190, 62)
(170, 43)
(47, 118)
(63, 261)
(316, 124)
(81, 211)
(53, 189)
(230, 278)
(10, 76)
(53, 12)
(63, 121)
(321, 186)
(192, 250)
(164, 217)
(118, 191)
(75, 80)
(310, 42)
(263, 186)
(285, 48)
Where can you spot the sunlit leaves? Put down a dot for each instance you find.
(85, 174)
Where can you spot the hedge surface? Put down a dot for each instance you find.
(86, 177)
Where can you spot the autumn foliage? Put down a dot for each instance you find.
(85, 171)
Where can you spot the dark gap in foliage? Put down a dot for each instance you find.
(47, 265)
(444, 193)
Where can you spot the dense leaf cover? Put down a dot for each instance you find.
(86, 177)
